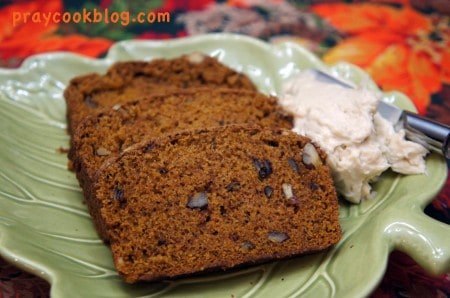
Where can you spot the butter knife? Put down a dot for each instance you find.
(432, 135)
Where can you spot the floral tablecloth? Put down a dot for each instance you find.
(403, 44)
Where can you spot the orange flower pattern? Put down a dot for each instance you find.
(399, 47)
(39, 36)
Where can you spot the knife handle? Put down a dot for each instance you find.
(435, 136)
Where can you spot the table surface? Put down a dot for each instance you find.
(409, 37)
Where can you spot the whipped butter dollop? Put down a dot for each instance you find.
(360, 144)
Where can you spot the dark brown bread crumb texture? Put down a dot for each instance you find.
(125, 81)
(214, 199)
(106, 134)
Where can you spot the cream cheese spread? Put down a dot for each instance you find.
(360, 144)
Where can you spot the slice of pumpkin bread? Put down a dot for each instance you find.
(125, 81)
(214, 199)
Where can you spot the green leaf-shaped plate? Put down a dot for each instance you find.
(45, 228)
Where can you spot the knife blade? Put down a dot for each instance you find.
(432, 135)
